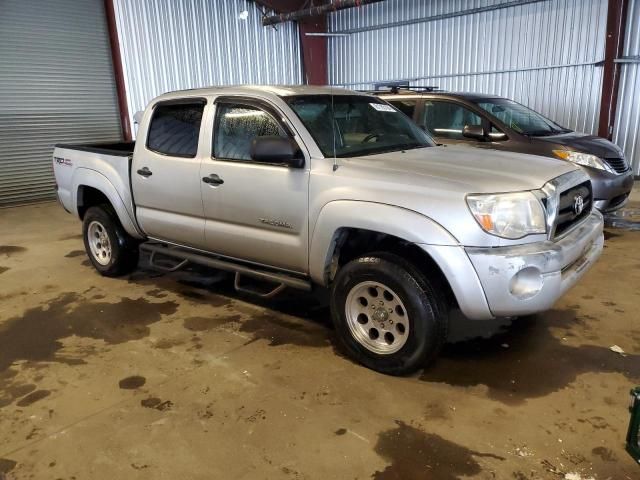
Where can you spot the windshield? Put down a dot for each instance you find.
(355, 125)
(520, 118)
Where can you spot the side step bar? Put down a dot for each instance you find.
(281, 279)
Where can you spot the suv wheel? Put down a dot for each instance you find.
(387, 314)
(111, 250)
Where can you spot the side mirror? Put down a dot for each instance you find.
(474, 131)
(272, 149)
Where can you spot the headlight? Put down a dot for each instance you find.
(584, 159)
(508, 215)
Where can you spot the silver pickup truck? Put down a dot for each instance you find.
(304, 187)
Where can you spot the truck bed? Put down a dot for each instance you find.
(102, 166)
(116, 149)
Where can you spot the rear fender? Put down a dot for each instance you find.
(91, 178)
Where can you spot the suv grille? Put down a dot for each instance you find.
(620, 165)
(567, 216)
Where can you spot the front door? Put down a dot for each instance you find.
(165, 175)
(254, 211)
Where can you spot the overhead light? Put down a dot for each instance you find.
(243, 15)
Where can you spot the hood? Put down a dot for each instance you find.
(584, 143)
(465, 169)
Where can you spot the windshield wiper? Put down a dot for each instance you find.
(381, 149)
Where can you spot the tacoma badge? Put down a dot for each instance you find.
(275, 223)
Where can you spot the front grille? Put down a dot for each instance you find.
(620, 165)
(567, 216)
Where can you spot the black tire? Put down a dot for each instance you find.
(123, 248)
(426, 311)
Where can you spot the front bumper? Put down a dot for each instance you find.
(525, 279)
(610, 191)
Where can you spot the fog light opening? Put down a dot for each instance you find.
(527, 283)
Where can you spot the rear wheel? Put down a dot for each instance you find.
(387, 314)
(111, 250)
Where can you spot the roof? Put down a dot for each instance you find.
(277, 90)
(463, 95)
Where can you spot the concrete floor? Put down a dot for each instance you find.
(174, 376)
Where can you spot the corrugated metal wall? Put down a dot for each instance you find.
(543, 54)
(56, 85)
(627, 123)
(176, 44)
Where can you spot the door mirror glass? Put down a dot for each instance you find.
(274, 149)
(476, 132)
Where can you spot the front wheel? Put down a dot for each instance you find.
(387, 314)
(111, 250)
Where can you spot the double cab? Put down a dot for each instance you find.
(317, 187)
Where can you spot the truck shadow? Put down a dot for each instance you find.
(525, 358)
(515, 359)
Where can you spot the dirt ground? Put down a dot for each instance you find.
(175, 376)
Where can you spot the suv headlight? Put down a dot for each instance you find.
(584, 159)
(508, 215)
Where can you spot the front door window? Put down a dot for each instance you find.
(448, 119)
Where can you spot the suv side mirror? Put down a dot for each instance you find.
(273, 149)
(475, 132)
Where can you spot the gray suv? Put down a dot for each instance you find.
(488, 121)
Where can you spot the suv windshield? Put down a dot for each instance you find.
(520, 118)
(355, 125)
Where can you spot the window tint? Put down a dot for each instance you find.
(237, 126)
(175, 128)
(405, 106)
(446, 119)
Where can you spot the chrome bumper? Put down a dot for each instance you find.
(525, 279)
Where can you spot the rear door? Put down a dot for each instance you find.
(254, 211)
(165, 175)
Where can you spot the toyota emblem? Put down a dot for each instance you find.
(578, 204)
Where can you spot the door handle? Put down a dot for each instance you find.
(213, 179)
(145, 172)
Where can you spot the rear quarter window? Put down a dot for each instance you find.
(175, 128)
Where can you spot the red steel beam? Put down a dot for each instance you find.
(314, 50)
(116, 59)
(616, 23)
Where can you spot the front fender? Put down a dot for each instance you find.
(92, 178)
(378, 217)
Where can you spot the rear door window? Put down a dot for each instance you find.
(447, 119)
(175, 128)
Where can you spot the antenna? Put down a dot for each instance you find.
(333, 129)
